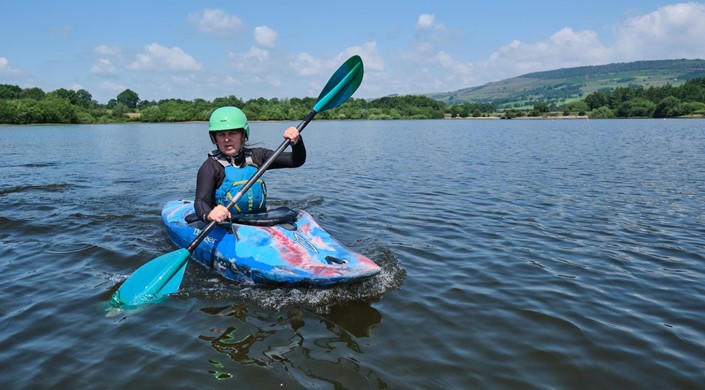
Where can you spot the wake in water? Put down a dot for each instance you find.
(204, 285)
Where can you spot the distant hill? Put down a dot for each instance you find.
(563, 85)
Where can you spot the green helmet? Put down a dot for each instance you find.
(228, 118)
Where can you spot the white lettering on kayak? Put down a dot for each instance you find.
(208, 239)
(305, 243)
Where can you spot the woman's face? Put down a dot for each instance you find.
(230, 141)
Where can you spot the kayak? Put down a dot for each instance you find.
(280, 247)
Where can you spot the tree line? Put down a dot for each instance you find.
(654, 102)
(635, 101)
(33, 106)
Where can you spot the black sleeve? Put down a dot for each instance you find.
(209, 177)
(293, 159)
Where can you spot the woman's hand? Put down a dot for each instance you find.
(292, 133)
(219, 214)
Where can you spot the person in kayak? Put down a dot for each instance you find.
(233, 163)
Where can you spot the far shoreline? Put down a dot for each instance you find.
(530, 118)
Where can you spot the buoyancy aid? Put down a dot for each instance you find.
(255, 199)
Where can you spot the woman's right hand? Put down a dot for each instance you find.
(219, 214)
(292, 134)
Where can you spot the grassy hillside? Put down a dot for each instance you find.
(563, 85)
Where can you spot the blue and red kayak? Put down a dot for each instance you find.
(281, 246)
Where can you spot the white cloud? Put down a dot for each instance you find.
(215, 21)
(6, 68)
(425, 21)
(566, 48)
(255, 61)
(440, 70)
(103, 67)
(307, 65)
(255, 70)
(257, 54)
(428, 29)
(371, 57)
(459, 68)
(157, 57)
(105, 50)
(673, 31)
(263, 71)
(266, 37)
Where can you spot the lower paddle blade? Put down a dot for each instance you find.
(159, 277)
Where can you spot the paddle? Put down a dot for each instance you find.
(163, 275)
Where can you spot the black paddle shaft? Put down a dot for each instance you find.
(260, 171)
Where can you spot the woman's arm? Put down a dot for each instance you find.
(206, 180)
(293, 159)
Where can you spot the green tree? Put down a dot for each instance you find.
(26, 112)
(228, 101)
(668, 107)
(7, 111)
(129, 98)
(693, 108)
(637, 107)
(577, 106)
(176, 110)
(84, 99)
(33, 93)
(623, 95)
(597, 99)
(8, 91)
(63, 93)
(693, 90)
(55, 110)
(153, 114)
(540, 108)
(120, 110)
(602, 112)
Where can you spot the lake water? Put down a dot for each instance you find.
(515, 254)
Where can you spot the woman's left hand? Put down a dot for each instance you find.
(292, 133)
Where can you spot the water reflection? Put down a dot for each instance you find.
(356, 318)
(289, 341)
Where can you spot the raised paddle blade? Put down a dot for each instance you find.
(341, 85)
(159, 277)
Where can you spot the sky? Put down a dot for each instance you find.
(282, 49)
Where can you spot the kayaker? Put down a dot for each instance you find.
(233, 163)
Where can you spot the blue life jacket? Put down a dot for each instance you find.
(254, 200)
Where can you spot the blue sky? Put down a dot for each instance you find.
(250, 49)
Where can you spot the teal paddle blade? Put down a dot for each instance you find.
(341, 85)
(153, 280)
